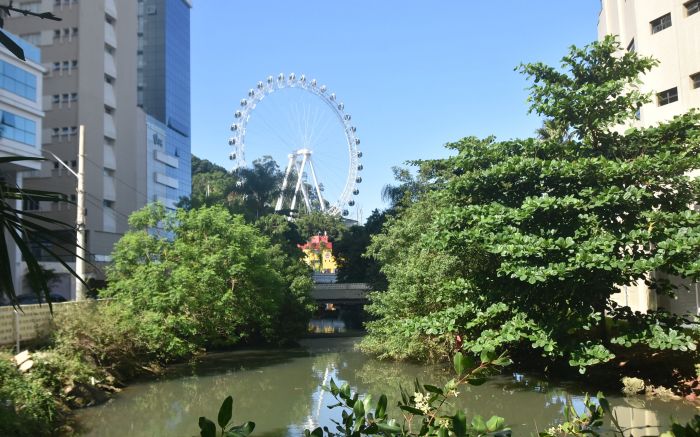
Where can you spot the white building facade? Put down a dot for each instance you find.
(21, 118)
(669, 31)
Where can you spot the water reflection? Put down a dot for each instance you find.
(279, 390)
(327, 326)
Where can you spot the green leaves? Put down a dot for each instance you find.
(212, 278)
(462, 363)
(208, 428)
(225, 412)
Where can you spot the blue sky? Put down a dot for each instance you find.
(413, 74)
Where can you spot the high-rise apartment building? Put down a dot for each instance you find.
(669, 31)
(110, 67)
(164, 93)
(20, 124)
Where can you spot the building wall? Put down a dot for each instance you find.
(164, 93)
(677, 48)
(20, 125)
(90, 58)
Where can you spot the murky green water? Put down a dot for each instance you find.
(279, 391)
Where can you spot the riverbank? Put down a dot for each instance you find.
(74, 385)
(280, 391)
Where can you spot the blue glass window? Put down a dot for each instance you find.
(20, 129)
(17, 81)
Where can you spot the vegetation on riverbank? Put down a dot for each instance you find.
(519, 245)
(181, 283)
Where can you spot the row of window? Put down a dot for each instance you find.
(65, 66)
(17, 128)
(65, 3)
(36, 205)
(65, 99)
(65, 34)
(64, 133)
(664, 21)
(671, 95)
(17, 81)
(72, 163)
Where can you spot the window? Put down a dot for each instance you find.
(692, 7)
(17, 81)
(30, 205)
(74, 32)
(74, 64)
(631, 47)
(31, 6)
(668, 96)
(108, 203)
(57, 35)
(661, 23)
(56, 66)
(74, 97)
(32, 38)
(695, 79)
(17, 128)
(65, 66)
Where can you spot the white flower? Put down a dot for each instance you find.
(421, 402)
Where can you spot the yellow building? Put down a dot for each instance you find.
(319, 254)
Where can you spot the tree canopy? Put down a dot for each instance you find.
(534, 235)
(209, 278)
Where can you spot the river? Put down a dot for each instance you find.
(280, 391)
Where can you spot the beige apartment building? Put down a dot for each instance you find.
(668, 30)
(90, 79)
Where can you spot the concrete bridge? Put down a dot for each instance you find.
(355, 293)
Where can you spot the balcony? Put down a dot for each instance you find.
(110, 129)
(109, 189)
(110, 160)
(110, 35)
(111, 8)
(110, 97)
(110, 65)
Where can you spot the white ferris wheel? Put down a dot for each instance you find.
(302, 124)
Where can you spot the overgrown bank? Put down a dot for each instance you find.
(181, 284)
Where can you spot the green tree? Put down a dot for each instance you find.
(319, 223)
(259, 188)
(207, 277)
(353, 263)
(540, 232)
